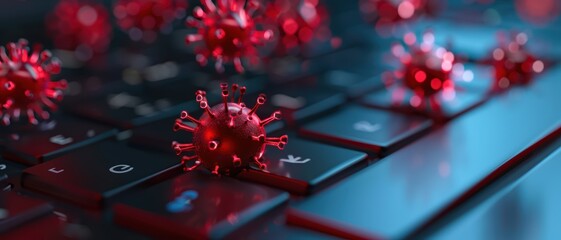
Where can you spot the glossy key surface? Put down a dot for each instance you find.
(403, 191)
(303, 165)
(62, 134)
(91, 175)
(196, 205)
(526, 209)
(372, 130)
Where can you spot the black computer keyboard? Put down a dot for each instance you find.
(356, 167)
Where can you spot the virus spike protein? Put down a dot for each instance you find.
(227, 31)
(25, 82)
(227, 137)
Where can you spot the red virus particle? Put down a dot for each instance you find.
(80, 26)
(426, 72)
(539, 12)
(228, 32)
(299, 22)
(143, 19)
(25, 82)
(227, 137)
(390, 14)
(513, 64)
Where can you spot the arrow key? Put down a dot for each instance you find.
(303, 165)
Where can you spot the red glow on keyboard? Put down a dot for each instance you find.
(227, 31)
(299, 22)
(25, 82)
(227, 137)
(79, 26)
(513, 64)
(426, 72)
(144, 19)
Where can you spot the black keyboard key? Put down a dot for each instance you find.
(278, 229)
(303, 165)
(196, 205)
(409, 188)
(9, 174)
(134, 107)
(526, 209)
(353, 85)
(372, 130)
(16, 209)
(301, 100)
(51, 139)
(91, 175)
(47, 227)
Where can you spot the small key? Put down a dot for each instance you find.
(196, 205)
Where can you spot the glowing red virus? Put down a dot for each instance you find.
(426, 71)
(228, 32)
(512, 62)
(143, 19)
(391, 11)
(80, 26)
(25, 82)
(227, 137)
(299, 22)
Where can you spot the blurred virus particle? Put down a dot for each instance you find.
(299, 22)
(388, 14)
(25, 82)
(144, 19)
(513, 64)
(227, 31)
(227, 137)
(80, 26)
(539, 12)
(426, 73)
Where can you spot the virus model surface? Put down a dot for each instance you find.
(299, 22)
(425, 72)
(25, 82)
(144, 19)
(227, 137)
(227, 32)
(513, 64)
(81, 26)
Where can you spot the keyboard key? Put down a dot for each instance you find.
(16, 209)
(196, 205)
(33, 145)
(303, 165)
(133, 106)
(278, 229)
(409, 188)
(301, 100)
(472, 88)
(47, 227)
(9, 174)
(526, 209)
(91, 175)
(372, 130)
(352, 84)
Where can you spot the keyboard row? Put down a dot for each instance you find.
(90, 169)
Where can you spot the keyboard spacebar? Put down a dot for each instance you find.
(408, 189)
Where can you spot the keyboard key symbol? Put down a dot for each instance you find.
(182, 203)
(57, 171)
(292, 159)
(121, 168)
(365, 126)
(3, 167)
(61, 140)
